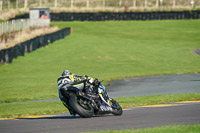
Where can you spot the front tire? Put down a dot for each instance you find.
(76, 106)
(117, 110)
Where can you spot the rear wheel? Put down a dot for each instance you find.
(81, 106)
(117, 110)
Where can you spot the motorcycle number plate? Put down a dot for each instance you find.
(105, 108)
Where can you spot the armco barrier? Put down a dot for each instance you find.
(7, 55)
(102, 16)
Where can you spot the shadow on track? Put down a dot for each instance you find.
(62, 117)
(52, 117)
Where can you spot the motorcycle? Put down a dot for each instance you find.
(88, 105)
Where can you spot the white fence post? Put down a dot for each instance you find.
(192, 3)
(161, 3)
(25, 3)
(104, 4)
(134, 3)
(13, 25)
(72, 3)
(87, 3)
(157, 3)
(8, 4)
(16, 3)
(145, 4)
(174, 3)
(40, 3)
(0, 29)
(120, 3)
(55, 4)
(7, 26)
(1, 5)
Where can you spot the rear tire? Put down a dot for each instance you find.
(85, 113)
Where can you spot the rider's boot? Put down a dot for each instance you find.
(72, 113)
(70, 110)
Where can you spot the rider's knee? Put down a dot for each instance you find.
(66, 93)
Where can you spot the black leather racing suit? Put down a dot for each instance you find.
(70, 83)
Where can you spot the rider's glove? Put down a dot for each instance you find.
(96, 82)
(85, 76)
(90, 80)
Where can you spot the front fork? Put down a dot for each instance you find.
(106, 99)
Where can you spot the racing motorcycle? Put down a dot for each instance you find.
(88, 105)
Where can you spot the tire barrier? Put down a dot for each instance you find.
(102, 16)
(124, 16)
(7, 55)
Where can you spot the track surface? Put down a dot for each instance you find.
(141, 117)
(134, 118)
(155, 85)
(152, 85)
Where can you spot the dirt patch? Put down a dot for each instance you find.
(6, 14)
(13, 39)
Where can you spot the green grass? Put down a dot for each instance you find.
(21, 109)
(163, 129)
(107, 50)
(156, 99)
(24, 109)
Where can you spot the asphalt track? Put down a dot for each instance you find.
(155, 85)
(151, 85)
(132, 118)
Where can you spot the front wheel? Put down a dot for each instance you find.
(81, 107)
(117, 110)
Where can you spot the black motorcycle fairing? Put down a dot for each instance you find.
(88, 104)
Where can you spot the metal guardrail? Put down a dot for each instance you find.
(22, 24)
(14, 25)
(7, 4)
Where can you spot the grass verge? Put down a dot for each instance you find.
(163, 129)
(156, 99)
(17, 110)
(107, 50)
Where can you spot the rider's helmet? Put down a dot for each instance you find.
(66, 73)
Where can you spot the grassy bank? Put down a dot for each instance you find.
(23, 109)
(107, 50)
(163, 129)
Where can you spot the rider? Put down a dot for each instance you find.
(71, 82)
